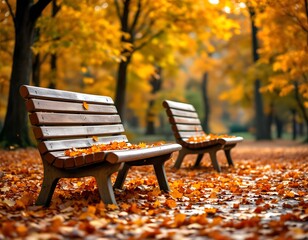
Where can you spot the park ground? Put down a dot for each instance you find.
(265, 196)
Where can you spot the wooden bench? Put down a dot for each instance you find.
(185, 123)
(63, 120)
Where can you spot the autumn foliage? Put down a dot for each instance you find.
(263, 197)
(108, 147)
(203, 137)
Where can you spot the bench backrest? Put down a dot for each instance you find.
(184, 120)
(63, 120)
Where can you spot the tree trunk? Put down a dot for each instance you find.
(36, 70)
(279, 127)
(294, 125)
(121, 88)
(15, 129)
(36, 63)
(269, 118)
(262, 132)
(156, 82)
(53, 71)
(302, 108)
(120, 96)
(53, 61)
(206, 103)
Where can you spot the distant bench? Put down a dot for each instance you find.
(63, 120)
(185, 123)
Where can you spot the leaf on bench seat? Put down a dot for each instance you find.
(203, 137)
(113, 145)
(85, 105)
(204, 144)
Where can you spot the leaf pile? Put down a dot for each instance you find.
(265, 196)
(203, 137)
(107, 147)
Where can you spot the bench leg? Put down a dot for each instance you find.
(199, 158)
(47, 190)
(51, 178)
(228, 156)
(102, 174)
(214, 160)
(104, 185)
(180, 159)
(121, 176)
(161, 176)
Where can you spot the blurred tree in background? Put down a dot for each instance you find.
(140, 52)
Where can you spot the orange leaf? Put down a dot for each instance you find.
(289, 194)
(176, 194)
(85, 106)
(179, 219)
(134, 208)
(170, 203)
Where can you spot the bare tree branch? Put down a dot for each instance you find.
(150, 39)
(37, 9)
(10, 10)
(136, 17)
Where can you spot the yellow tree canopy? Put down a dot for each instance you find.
(284, 33)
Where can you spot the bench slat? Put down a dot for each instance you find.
(139, 154)
(68, 107)
(73, 162)
(45, 118)
(178, 105)
(49, 132)
(46, 93)
(56, 145)
(182, 120)
(233, 140)
(181, 113)
(183, 127)
(187, 134)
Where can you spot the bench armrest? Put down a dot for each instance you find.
(233, 140)
(143, 153)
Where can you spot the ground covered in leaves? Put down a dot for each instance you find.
(265, 196)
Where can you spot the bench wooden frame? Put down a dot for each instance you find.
(64, 120)
(185, 123)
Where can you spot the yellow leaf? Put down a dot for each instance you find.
(210, 210)
(142, 145)
(112, 206)
(156, 204)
